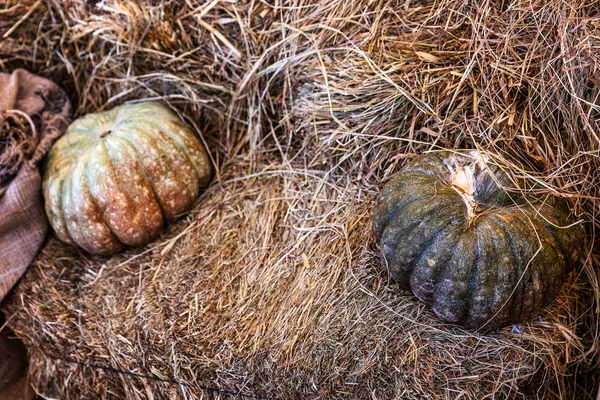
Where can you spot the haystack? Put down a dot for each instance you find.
(272, 285)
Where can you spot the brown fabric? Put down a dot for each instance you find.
(33, 113)
(14, 384)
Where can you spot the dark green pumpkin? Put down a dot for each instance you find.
(480, 255)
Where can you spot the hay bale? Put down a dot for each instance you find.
(271, 286)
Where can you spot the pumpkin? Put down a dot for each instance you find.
(453, 229)
(115, 177)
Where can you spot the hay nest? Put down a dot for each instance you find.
(271, 286)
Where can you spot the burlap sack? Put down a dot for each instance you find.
(33, 113)
(13, 369)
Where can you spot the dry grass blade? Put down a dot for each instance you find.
(272, 285)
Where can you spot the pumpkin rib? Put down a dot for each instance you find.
(168, 193)
(499, 189)
(534, 283)
(548, 295)
(398, 208)
(97, 236)
(429, 265)
(451, 286)
(402, 233)
(528, 311)
(573, 236)
(76, 190)
(432, 166)
(149, 200)
(61, 199)
(502, 276)
(506, 274)
(436, 236)
(545, 258)
(160, 134)
(410, 203)
(518, 286)
(67, 203)
(529, 246)
(182, 187)
(552, 232)
(141, 224)
(54, 209)
(474, 282)
(114, 205)
(403, 181)
(396, 183)
(110, 199)
(146, 174)
(201, 167)
(490, 195)
(486, 189)
(52, 183)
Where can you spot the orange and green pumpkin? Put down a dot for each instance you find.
(479, 255)
(116, 176)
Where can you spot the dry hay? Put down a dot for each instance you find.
(271, 286)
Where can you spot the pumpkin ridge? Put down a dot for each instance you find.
(437, 266)
(406, 232)
(536, 257)
(167, 134)
(529, 263)
(145, 172)
(182, 186)
(52, 190)
(178, 139)
(398, 182)
(567, 240)
(516, 307)
(398, 208)
(545, 248)
(431, 165)
(529, 310)
(53, 180)
(474, 273)
(552, 219)
(60, 213)
(67, 199)
(168, 210)
(420, 169)
(85, 188)
(131, 208)
(109, 166)
(163, 134)
(551, 244)
(83, 239)
(101, 210)
(437, 235)
(381, 206)
(146, 222)
(445, 291)
(504, 279)
(487, 301)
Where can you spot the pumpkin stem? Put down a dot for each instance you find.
(105, 133)
(464, 181)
